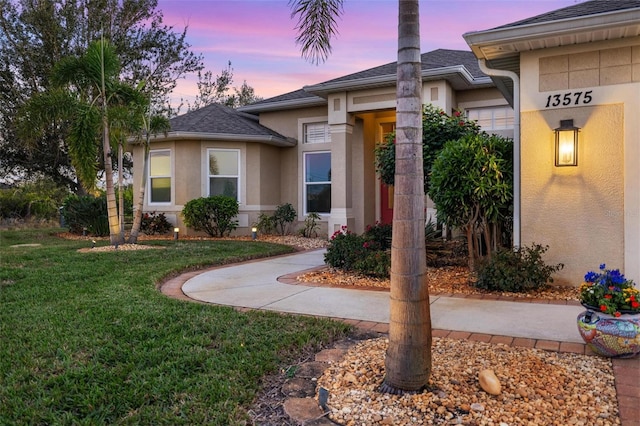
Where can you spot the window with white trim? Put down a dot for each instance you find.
(494, 118)
(316, 133)
(224, 172)
(317, 182)
(159, 177)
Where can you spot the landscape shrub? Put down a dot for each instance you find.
(153, 223)
(265, 224)
(380, 234)
(86, 213)
(310, 227)
(214, 215)
(360, 253)
(344, 249)
(284, 215)
(518, 270)
(40, 199)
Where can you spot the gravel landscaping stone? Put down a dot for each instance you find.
(538, 388)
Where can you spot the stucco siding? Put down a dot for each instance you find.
(572, 209)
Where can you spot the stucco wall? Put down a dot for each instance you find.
(572, 209)
(601, 209)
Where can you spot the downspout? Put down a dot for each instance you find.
(516, 143)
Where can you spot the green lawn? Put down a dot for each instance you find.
(86, 338)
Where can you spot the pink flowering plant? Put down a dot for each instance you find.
(609, 292)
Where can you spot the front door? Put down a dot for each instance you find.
(386, 203)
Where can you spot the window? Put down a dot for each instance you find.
(316, 133)
(497, 118)
(224, 172)
(160, 177)
(317, 182)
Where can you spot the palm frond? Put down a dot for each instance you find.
(316, 26)
(83, 146)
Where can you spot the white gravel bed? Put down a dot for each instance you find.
(538, 388)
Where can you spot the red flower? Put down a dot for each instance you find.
(635, 304)
(456, 114)
(608, 296)
(617, 314)
(461, 123)
(603, 308)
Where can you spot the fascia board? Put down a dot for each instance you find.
(282, 105)
(479, 39)
(225, 137)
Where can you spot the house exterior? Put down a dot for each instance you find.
(314, 147)
(579, 63)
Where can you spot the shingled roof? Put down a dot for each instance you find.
(459, 67)
(219, 122)
(592, 7)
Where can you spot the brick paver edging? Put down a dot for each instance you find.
(626, 371)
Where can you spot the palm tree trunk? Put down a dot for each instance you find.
(120, 190)
(408, 360)
(112, 208)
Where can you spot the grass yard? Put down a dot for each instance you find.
(86, 338)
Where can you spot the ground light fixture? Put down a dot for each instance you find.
(254, 233)
(566, 144)
(176, 232)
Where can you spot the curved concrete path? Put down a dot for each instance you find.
(255, 285)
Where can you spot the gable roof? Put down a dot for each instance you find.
(459, 67)
(219, 122)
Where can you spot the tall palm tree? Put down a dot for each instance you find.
(93, 79)
(408, 360)
(151, 124)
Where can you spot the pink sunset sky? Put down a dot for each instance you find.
(258, 36)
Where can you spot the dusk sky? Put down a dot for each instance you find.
(258, 36)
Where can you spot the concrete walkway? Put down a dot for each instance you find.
(255, 285)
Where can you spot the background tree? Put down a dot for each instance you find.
(217, 90)
(34, 36)
(472, 188)
(408, 360)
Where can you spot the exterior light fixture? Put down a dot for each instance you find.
(176, 232)
(254, 233)
(566, 144)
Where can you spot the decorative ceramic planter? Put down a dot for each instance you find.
(610, 336)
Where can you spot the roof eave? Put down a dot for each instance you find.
(501, 42)
(282, 105)
(226, 137)
(387, 80)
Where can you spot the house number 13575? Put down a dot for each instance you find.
(570, 98)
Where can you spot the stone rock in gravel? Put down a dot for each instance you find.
(477, 407)
(311, 369)
(489, 382)
(330, 355)
(299, 387)
(350, 378)
(302, 409)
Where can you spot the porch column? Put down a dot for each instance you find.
(341, 180)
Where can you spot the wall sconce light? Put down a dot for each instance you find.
(176, 232)
(254, 233)
(566, 144)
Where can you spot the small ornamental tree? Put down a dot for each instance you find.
(214, 215)
(472, 188)
(437, 128)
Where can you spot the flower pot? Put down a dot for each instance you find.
(610, 336)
